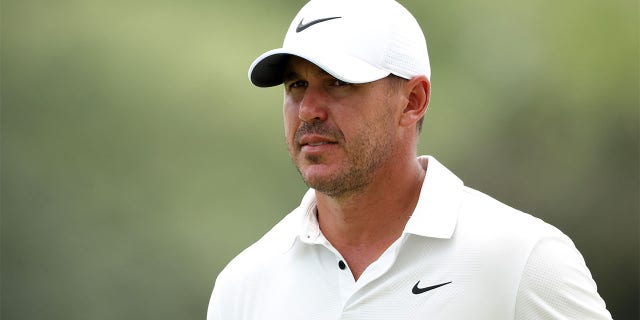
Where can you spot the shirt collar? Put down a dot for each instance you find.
(435, 215)
(436, 212)
(309, 227)
(300, 225)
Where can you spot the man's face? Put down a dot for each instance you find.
(337, 133)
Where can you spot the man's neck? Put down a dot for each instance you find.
(363, 225)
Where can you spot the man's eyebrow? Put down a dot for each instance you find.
(290, 75)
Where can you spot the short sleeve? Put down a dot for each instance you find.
(213, 311)
(556, 284)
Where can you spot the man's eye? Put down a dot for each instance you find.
(297, 84)
(340, 83)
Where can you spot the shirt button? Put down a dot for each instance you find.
(341, 265)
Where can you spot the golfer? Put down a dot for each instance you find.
(383, 233)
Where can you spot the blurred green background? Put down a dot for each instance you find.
(137, 159)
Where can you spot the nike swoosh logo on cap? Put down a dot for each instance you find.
(302, 26)
(417, 290)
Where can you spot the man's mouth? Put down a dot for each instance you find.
(315, 137)
(315, 144)
(315, 140)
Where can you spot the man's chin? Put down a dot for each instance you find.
(332, 184)
(316, 175)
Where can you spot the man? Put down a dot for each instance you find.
(382, 233)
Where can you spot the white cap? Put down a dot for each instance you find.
(356, 41)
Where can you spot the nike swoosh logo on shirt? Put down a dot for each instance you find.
(417, 290)
(302, 26)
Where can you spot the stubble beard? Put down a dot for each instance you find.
(356, 171)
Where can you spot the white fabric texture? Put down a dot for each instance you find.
(556, 284)
(489, 261)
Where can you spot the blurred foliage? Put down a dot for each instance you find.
(137, 159)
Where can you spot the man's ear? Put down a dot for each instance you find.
(417, 91)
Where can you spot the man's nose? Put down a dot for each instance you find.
(313, 106)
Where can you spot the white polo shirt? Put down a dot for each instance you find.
(462, 255)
